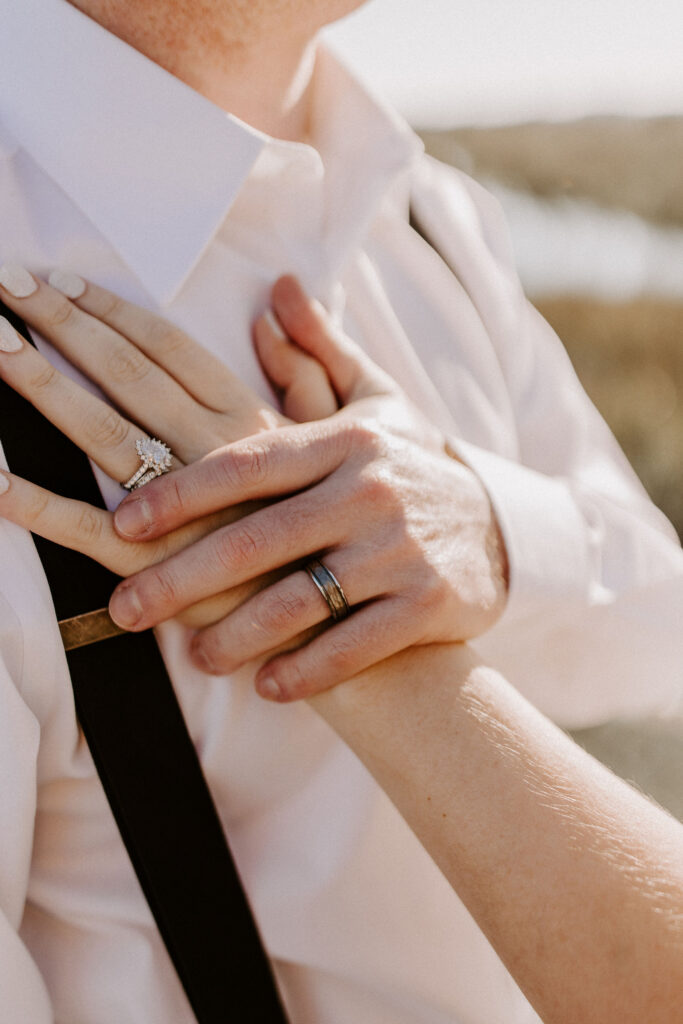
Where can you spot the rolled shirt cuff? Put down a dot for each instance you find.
(543, 530)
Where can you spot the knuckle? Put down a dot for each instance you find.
(133, 558)
(365, 435)
(257, 465)
(342, 654)
(163, 335)
(246, 465)
(61, 311)
(37, 506)
(43, 378)
(279, 612)
(377, 488)
(163, 589)
(126, 365)
(176, 498)
(240, 546)
(88, 525)
(108, 430)
(112, 307)
(432, 593)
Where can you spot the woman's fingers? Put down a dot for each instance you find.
(352, 373)
(90, 530)
(72, 524)
(200, 373)
(104, 435)
(134, 382)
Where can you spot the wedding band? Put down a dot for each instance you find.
(330, 587)
(155, 457)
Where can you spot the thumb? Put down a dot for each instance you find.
(351, 372)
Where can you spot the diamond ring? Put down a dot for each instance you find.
(156, 458)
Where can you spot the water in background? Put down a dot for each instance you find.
(575, 246)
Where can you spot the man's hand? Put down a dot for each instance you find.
(407, 530)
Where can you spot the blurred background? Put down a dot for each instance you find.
(572, 114)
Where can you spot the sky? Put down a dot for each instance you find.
(446, 62)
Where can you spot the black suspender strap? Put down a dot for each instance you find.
(145, 758)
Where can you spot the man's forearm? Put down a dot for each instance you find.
(576, 879)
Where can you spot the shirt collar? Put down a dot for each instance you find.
(153, 164)
(364, 145)
(311, 205)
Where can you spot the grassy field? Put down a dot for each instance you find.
(629, 357)
(631, 163)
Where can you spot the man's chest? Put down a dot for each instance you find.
(392, 293)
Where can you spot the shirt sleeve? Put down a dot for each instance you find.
(23, 992)
(578, 524)
(594, 566)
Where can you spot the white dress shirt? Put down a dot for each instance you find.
(112, 168)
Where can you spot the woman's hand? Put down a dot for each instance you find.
(165, 384)
(407, 530)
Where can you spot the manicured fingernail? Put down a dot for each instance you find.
(10, 341)
(4, 483)
(274, 325)
(125, 608)
(67, 283)
(268, 688)
(133, 518)
(17, 280)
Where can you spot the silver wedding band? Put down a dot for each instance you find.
(330, 587)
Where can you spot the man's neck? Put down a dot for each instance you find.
(236, 55)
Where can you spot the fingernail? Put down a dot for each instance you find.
(4, 483)
(10, 341)
(275, 325)
(133, 518)
(17, 280)
(268, 688)
(201, 659)
(125, 608)
(67, 283)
